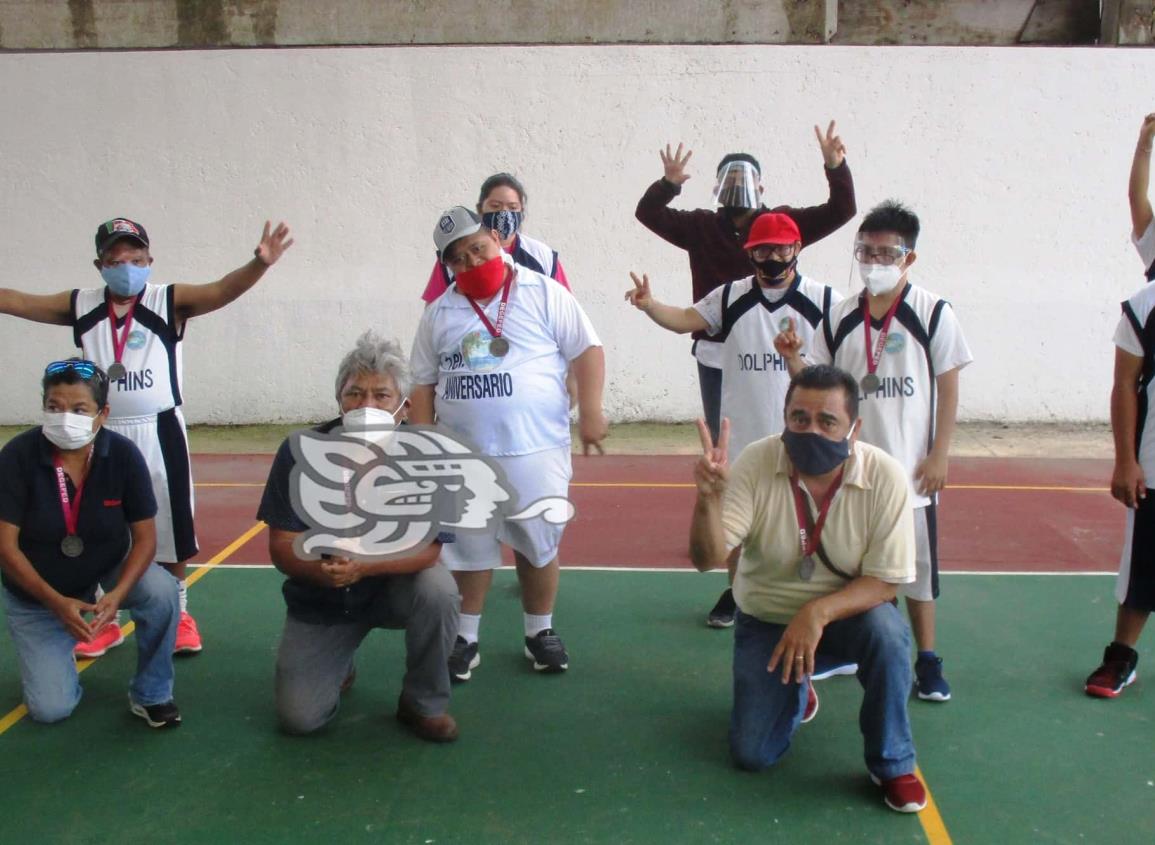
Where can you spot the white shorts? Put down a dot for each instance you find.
(925, 585)
(530, 477)
(163, 441)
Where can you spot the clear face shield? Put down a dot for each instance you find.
(737, 186)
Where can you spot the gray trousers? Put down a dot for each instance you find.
(313, 660)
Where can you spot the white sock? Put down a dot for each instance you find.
(534, 625)
(468, 626)
(182, 594)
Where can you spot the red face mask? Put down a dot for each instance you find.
(482, 281)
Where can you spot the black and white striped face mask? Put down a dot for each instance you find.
(505, 223)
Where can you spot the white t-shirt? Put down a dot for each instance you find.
(925, 341)
(513, 405)
(1135, 335)
(746, 318)
(152, 354)
(1145, 245)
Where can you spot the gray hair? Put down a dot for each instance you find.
(375, 355)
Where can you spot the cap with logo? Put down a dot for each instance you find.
(455, 223)
(773, 228)
(117, 229)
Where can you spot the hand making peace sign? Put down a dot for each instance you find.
(713, 468)
(833, 150)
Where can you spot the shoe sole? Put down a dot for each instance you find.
(473, 664)
(545, 667)
(188, 649)
(719, 623)
(849, 669)
(905, 808)
(92, 655)
(1106, 692)
(138, 710)
(934, 696)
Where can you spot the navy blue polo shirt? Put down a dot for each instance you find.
(117, 493)
(306, 601)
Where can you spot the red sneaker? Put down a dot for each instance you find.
(811, 704)
(188, 638)
(903, 794)
(110, 637)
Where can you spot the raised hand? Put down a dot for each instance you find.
(640, 297)
(674, 164)
(833, 150)
(787, 343)
(713, 468)
(273, 244)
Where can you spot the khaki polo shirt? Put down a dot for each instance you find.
(869, 529)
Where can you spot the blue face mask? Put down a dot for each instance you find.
(813, 454)
(125, 279)
(505, 223)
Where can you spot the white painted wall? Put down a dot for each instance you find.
(1016, 160)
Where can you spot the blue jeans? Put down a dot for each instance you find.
(48, 676)
(767, 712)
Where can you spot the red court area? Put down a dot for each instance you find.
(997, 515)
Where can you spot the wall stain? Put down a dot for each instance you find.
(83, 16)
(201, 23)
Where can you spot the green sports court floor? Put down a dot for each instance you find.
(628, 747)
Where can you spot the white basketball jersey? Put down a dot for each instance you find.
(755, 377)
(1135, 335)
(152, 353)
(924, 341)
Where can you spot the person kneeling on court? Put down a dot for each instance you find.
(333, 603)
(77, 511)
(826, 534)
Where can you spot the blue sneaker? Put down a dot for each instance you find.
(929, 682)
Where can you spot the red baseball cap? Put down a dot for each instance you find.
(772, 228)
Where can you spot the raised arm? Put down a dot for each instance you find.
(670, 317)
(817, 221)
(194, 300)
(1141, 213)
(654, 210)
(711, 474)
(52, 308)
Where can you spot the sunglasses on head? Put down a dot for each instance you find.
(84, 369)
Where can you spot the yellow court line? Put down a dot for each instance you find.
(19, 712)
(932, 823)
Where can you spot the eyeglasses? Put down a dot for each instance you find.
(879, 254)
(84, 369)
(762, 252)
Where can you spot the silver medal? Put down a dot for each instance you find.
(72, 546)
(116, 371)
(870, 383)
(806, 568)
(499, 347)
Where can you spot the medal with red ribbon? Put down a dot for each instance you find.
(810, 532)
(117, 369)
(498, 346)
(71, 545)
(870, 381)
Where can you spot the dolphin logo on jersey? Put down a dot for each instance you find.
(895, 343)
(387, 493)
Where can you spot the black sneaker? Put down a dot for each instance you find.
(463, 660)
(547, 652)
(1116, 672)
(722, 614)
(165, 715)
(928, 680)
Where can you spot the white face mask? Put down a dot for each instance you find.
(373, 425)
(880, 278)
(67, 431)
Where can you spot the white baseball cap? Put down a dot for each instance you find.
(455, 223)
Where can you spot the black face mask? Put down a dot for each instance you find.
(772, 268)
(813, 454)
